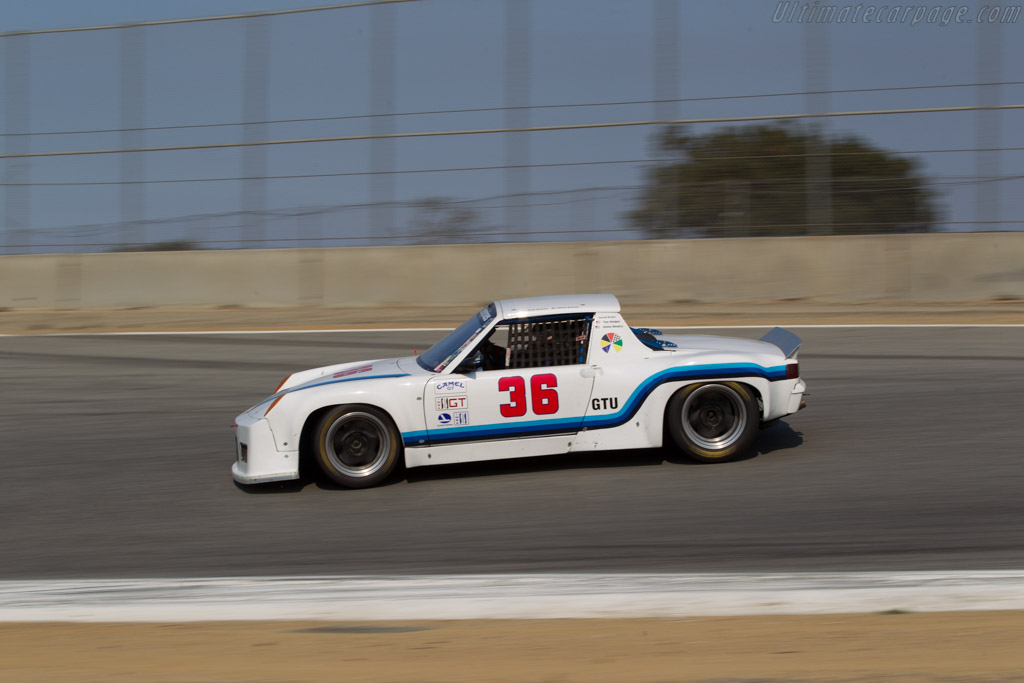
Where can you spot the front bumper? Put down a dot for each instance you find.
(257, 459)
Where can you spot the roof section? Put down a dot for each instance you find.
(550, 305)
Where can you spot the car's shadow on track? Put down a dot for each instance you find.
(543, 463)
(780, 437)
(290, 486)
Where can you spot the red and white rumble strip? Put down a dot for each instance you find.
(506, 596)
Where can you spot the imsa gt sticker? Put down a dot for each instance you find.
(451, 403)
(458, 418)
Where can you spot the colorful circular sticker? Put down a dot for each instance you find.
(611, 341)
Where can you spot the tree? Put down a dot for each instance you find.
(170, 245)
(752, 181)
(440, 220)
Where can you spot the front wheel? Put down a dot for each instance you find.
(357, 446)
(713, 422)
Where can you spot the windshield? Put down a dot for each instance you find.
(438, 356)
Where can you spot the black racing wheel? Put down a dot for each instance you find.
(713, 422)
(357, 446)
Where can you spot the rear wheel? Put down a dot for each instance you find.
(357, 446)
(713, 422)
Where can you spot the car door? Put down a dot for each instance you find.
(536, 398)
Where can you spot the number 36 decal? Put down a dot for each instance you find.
(542, 392)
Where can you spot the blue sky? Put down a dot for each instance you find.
(450, 54)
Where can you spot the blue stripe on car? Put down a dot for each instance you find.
(629, 408)
(499, 431)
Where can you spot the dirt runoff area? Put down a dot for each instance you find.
(940, 647)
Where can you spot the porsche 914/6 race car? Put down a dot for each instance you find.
(524, 377)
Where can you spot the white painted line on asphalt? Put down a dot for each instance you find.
(449, 329)
(837, 326)
(218, 332)
(850, 326)
(507, 596)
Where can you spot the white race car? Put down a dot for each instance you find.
(523, 377)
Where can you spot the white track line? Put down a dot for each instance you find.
(202, 332)
(448, 329)
(508, 596)
(836, 326)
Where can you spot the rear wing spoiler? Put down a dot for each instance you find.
(787, 342)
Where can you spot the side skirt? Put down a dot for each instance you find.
(448, 454)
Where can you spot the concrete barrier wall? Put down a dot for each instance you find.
(898, 268)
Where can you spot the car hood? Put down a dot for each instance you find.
(332, 374)
(704, 342)
(367, 369)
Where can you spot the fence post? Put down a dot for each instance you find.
(988, 131)
(517, 115)
(133, 118)
(382, 105)
(818, 184)
(17, 215)
(254, 112)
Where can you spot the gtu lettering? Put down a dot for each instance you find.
(604, 403)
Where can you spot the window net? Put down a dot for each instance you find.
(535, 344)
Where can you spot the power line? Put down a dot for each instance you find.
(292, 212)
(306, 176)
(462, 169)
(464, 235)
(197, 20)
(474, 110)
(302, 211)
(535, 129)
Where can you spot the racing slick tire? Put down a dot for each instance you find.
(713, 422)
(357, 446)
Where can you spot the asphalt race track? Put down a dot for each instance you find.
(116, 457)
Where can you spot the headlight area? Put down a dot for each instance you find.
(263, 407)
(266, 405)
(256, 456)
(258, 411)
